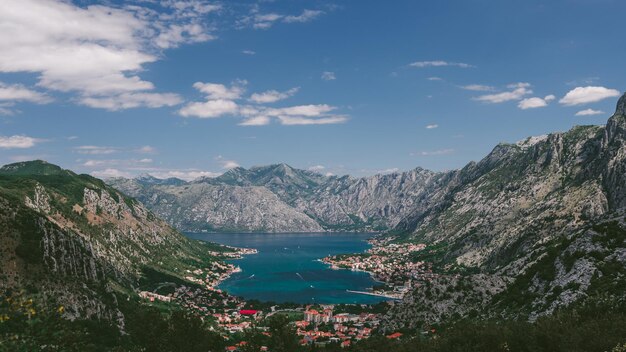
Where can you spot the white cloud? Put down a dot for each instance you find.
(209, 109)
(535, 102)
(226, 164)
(216, 91)
(306, 16)
(301, 120)
(328, 76)
(96, 150)
(220, 100)
(248, 52)
(18, 142)
(430, 127)
(175, 34)
(259, 20)
(317, 168)
(388, 171)
(223, 101)
(302, 110)
(272, 96)
(439, 63)
(435, 152)
(97, 51)
(230, 164)
(17, 92)
(111, 173)
(478, 88)
(146, 149)
(293, 115)
(589, 112)
(519, 90)
(108, 163)
(586, 95)
(187, 175)
(434, 79)
(256, 121)
(132, 100)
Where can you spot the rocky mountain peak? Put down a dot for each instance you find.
(621, 106)
(616, 126)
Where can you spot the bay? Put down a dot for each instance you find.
(287, 269)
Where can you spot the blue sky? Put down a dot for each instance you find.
(191, 88)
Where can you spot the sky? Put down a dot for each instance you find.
(193, 88)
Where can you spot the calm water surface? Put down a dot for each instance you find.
(286, 268)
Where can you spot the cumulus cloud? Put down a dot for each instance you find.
(18, 142)
(435, 152)
(187, 175)
(258, 20)
(146, 149)
(209, 109)
(478, 88)
(586, 95)
(222, 100)
(535, 102)
(589, 112)
(430, 127)
(317, 168)
(301, 120)
(328, 76)
(129, 163)
(306, 16)
(272, 96)
(111, 173)
(225, 163)
(215, 91)
(132, 100)
(95, 150)
(97, 51)
(388, 171)
(439, 63)
(517, 92)
(18, 92)
(256, 121)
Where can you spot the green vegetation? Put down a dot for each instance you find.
(594, 326)
(24, 326)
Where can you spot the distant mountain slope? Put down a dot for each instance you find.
(561, 178)
(279, 198)
(74, 240)
(543, 221)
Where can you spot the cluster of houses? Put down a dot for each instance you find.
(322, 326)
(387, 262)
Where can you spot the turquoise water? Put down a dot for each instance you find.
(286, 270)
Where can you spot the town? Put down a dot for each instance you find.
(388, 263)
(315, 324)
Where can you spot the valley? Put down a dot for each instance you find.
(534, 231)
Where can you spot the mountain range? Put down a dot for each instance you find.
(533, 227)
